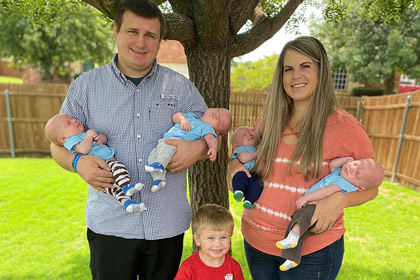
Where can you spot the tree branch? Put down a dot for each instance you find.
(180, 28)
(107, 7)
(158, 2)
(241, 11)
(246, 42)
(182, 7)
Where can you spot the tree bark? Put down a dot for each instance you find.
(207, 179)
(389, 84)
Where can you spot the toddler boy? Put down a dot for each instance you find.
(212, 228)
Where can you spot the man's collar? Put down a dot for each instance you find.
(122, 76)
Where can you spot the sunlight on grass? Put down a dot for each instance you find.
(10, 80)
(382, 236)
(43, 232)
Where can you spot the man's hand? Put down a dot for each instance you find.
(326, 212)
(234, 167)
(188, 152)
(95, 172)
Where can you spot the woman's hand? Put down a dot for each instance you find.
(326, 212)
(234, 167)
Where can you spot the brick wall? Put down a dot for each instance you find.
(6, 70)
(171, 52)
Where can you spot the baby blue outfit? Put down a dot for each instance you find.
(198, 129)
(243, 187)
(250, 164)
(163, 152)
(104, 152)
(333, 178)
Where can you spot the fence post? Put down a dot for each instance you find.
(10, 123)
(397, 157)
(359, 110)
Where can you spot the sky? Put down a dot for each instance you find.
(276, 43)
(272, 46)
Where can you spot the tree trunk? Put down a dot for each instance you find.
(389, 83)
(207, 180)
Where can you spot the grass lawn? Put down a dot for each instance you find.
(43, 233)
(10, 80)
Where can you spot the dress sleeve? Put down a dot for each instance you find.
(345, 136)
(73, 141)
(208, 129)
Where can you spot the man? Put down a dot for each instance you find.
(131, 101)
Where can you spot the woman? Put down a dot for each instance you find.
(303, 129)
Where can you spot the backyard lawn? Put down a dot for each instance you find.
(43, 233)
(11, 80)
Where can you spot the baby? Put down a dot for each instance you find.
(347, 175)
(214, 122)
(245, 145)
(65, 131)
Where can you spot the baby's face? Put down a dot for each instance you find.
(70, 126)
(244, 137)
(361, 173)
(219, 118)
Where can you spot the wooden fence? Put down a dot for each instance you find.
(392, 123)
(24, 110)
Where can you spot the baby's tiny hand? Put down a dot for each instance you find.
(212, 154)
(185, 125)
(301, 201)
(349, 159)
(91, 133)
(98, 140)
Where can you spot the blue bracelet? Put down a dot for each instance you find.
(75, 160)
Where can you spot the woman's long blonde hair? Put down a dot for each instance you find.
(278, 107)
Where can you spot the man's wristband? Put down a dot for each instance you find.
(75, 160)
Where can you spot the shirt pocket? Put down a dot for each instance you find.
(160, 114)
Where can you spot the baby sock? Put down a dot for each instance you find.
(131, 206)
(131, 189)
(288, 264)
(247, 204)
(290, 241)
(238, 195)
(154, 167)
(157, 185)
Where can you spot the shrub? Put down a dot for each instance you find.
(362, 91)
